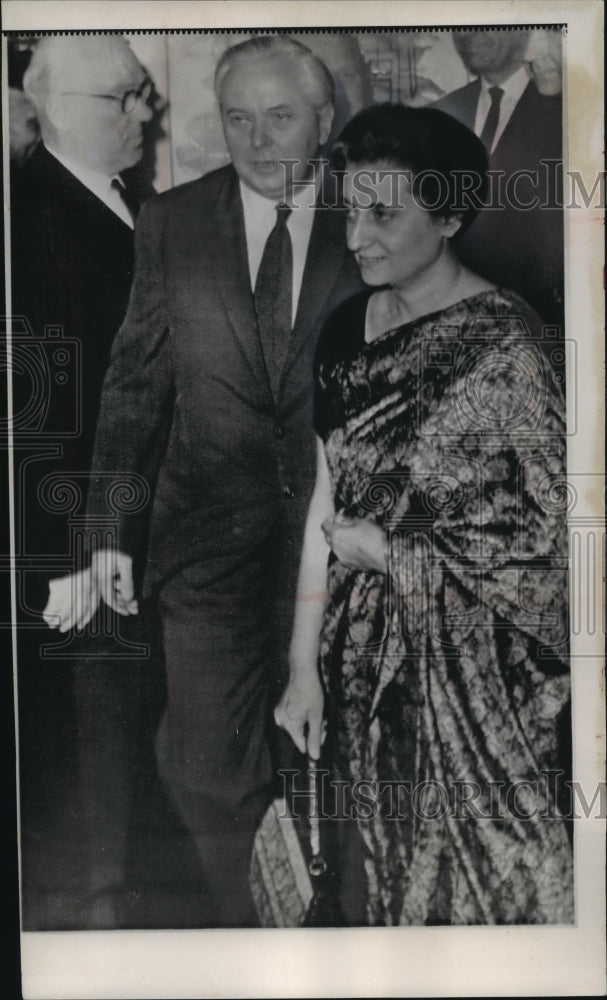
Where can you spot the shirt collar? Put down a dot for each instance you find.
(301, 197)
(513, 87)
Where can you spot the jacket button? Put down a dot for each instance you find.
(288, 493)
(279, 432)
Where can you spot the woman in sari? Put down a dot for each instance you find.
(430, 639)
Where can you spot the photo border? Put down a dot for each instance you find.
(415, 961)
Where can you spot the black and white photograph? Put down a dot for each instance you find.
(304, 366)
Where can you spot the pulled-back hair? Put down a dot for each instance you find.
(448, 160)
(316, 75)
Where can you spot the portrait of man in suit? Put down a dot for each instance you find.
(73, 205)
(522, 130)
(234, 275)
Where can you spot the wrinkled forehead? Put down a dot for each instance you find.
(263, 78)
(95, 64)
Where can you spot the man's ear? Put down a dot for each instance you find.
(325, 120)
(57, 112)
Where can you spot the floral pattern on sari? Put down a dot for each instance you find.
(447, 679)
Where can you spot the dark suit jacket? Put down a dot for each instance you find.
(72, 264)
(187, 402)
(87, 715)
(520, 249)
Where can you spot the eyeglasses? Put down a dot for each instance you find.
(128, 100)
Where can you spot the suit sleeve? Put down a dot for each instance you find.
(136, 404)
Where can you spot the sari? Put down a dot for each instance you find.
(447, 678)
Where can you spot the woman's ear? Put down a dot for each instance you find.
(450, 224)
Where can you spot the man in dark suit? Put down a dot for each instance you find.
(519, 244)
(234, 275)
(73, 203)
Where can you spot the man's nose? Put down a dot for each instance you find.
(259, 133)
(142, 110)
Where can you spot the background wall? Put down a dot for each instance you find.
(368, 67)
(186, 140)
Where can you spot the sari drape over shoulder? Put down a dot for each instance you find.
(448, 678)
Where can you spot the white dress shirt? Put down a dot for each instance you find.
(99, 184)
(259, 221)
(513, 88)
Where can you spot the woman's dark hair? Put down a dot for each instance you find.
(447, 162)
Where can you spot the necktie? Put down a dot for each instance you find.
(490, 127)
(128, 195)
(273, 297)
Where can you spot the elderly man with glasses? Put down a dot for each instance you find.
(73, 207)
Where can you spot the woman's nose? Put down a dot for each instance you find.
(357, 231)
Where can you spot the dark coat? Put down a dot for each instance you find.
(87, 706)
(517, 248)
(72, 267)
(187, 402)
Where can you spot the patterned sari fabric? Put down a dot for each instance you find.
(447, 679)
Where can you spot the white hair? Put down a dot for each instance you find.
(54, 55)
(38, 77)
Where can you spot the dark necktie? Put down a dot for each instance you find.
(128, 195)
(490, 127)
(274, 296)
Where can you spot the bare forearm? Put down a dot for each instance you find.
(310, 602)
(312, 583)
(300, 710)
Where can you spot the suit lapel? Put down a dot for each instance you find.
(525, 111)
(470, 104)
(323, 262)
(59, 179)
(231, 265)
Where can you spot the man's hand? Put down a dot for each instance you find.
(300, 712)
(113, 575)
(73, 600)
(357, 542)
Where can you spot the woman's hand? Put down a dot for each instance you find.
(300, 712)
(357, 542)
